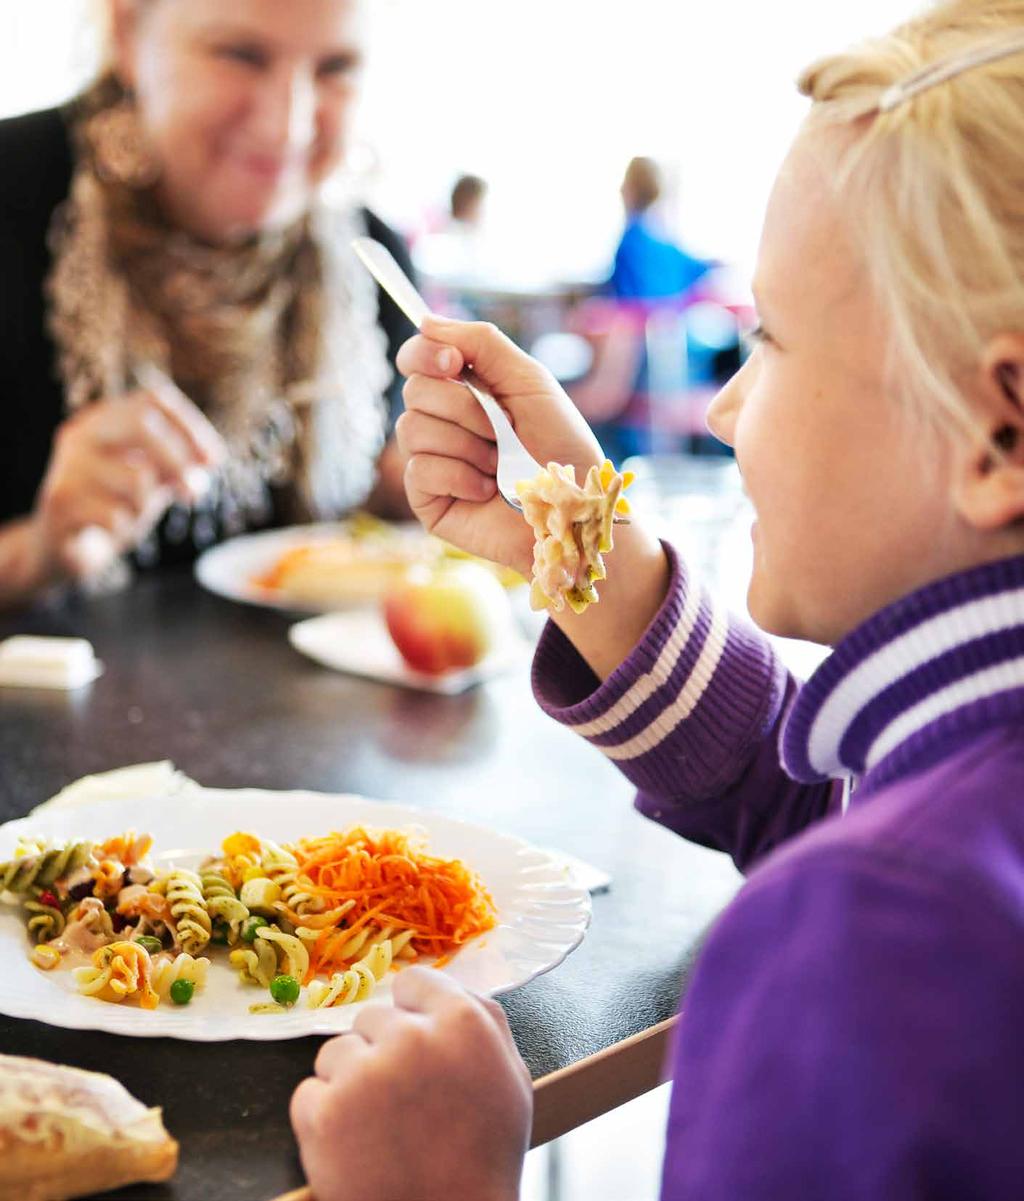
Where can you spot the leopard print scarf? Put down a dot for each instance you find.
(276, 340)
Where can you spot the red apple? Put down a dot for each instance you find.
(447, 617)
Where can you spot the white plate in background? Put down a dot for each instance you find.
(230, 568)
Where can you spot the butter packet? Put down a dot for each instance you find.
(27, 661)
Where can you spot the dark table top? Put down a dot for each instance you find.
(216, 688)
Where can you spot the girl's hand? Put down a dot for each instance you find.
(449, 442)
(115, 467)
(428, 1098)
(452, 460)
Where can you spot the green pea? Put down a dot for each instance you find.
(181, 991)
(152, 945)
(284, 990)
(250, 926)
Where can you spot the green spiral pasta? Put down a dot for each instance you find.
(46, 921)
(184, 891)
(221, 902)
(42, 865)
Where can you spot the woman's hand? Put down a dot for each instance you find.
(449, 442)
(115, 467)
(425, 1099)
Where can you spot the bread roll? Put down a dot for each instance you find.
(67, 1133)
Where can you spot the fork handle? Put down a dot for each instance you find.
(503, 428)
(495, 413)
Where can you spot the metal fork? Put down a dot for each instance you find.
(515, 462)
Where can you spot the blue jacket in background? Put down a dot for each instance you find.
(648, 266)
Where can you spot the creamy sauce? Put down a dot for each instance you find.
(572, 527)
(81, 875)
(87, 930)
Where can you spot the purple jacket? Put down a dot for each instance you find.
(854, 1028)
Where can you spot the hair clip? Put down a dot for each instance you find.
(935, 73)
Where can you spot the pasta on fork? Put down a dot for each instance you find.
(572, 527)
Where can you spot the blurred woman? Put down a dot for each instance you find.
(188, 347)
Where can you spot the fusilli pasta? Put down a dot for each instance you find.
(46, 922)
(188, 909)
(572, 527)
(42, 865)
(181, 967)
(256, 964)
(294, 956)
(358, 982)
(119, 971)
(343, 907)
(221, 902)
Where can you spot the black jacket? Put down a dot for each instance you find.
(35, 177)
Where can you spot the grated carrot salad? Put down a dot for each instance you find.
(391, 881)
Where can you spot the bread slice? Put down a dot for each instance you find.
(66, 1133)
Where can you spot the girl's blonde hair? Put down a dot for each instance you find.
(936, 188)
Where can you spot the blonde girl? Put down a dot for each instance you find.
(852, 1029)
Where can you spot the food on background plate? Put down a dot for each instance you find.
(67, 1133)
(360, 564)
(572, 526)
(447, 617)
(343, 570)
(349, 906)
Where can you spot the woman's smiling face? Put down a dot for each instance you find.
(245, 103)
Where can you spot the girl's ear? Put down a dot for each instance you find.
(989, 482)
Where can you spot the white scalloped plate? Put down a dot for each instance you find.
(542, 915)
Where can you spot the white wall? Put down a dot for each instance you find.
(548, 99)
(46, 51)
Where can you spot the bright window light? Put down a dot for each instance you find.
(548, 100)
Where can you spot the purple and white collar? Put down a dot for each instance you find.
(913, 675)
